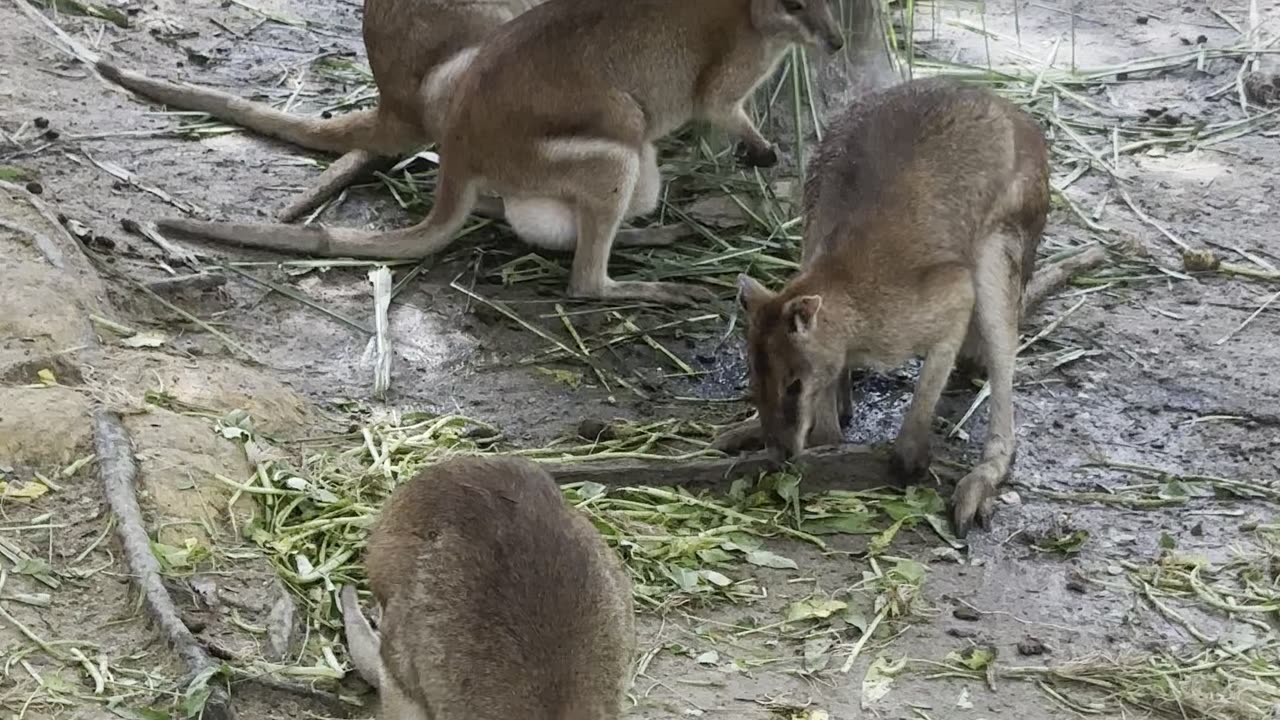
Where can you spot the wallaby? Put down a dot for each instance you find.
(924, 207)
(416, 50)
(498, 600)
(558, 114)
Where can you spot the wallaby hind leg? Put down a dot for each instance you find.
(396, 704)
(951, 300)
(644, 200)
(591, 167)
(344, 171)
(996, 309)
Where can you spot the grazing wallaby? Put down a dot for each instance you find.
(558, 114)
(498, 601)
(416, 49)
(924, 207)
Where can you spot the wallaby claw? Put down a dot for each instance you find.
(973, 502)
(752, 156)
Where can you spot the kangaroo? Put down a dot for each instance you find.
(416, 49)
(924, 207)
(558, 113)
(499, 601)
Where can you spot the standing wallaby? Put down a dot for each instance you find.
(924, 208)
(416, 49)
(558, 114)
(498, 601)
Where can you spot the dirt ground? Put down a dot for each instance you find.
(1153, 370)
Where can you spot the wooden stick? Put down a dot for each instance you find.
(195, 281)
(848, 467)
(1049, 278)
(119, 475)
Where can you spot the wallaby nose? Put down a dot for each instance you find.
(834, 41)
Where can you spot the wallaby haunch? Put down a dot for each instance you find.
(498, 601)
(558, 113)
(924, 208)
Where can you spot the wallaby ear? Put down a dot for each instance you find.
(802, 312)
(751, 293)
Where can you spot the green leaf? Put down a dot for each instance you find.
(814, 609)
(714, 556)
(764, 558)
(882, 541)
(817, 653)
(977, 658)
(1067, 544)
(910, 570)
(716, 578)
(850, 524)
(877, 682)
(856, 618)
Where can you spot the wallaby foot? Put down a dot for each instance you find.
(974, 498)
(756, 156)
(666, 293)
(650, 236)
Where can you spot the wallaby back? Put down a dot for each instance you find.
(499, 601)
(915, 175)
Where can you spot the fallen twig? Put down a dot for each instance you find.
(1052, 276)
(381, 279)
(119, 473)
(194, 281)
(46, 246)
(173, 254)
(849, 467)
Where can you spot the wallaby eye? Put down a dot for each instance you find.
(793, 6)
(793, 390)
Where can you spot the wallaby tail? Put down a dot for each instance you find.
(362, 129)
(453, 203)
(363, 643)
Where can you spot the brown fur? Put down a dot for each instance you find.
(558, 114)
(499, 601)
(409, 44)
(924, 209)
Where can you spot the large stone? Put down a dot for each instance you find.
(44, 428)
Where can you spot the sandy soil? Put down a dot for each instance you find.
(1152, 381)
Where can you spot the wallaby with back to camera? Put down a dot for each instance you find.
(417, 49)
(924, 208)
(558, 114)
(498, 601)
